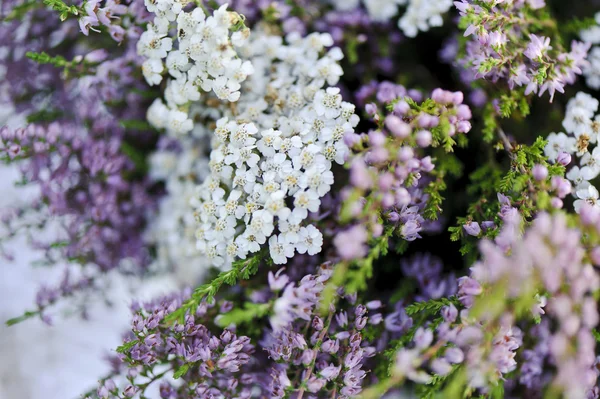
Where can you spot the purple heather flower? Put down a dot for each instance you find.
(350, 243)
(472, 228)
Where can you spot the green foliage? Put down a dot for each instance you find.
(245, 315)
(25, 316)
(241, 270)
(63, 9)
(431, 307)
(436, 385)
(445, 164)
(596, 334)
(127, 346)
(358, 276)
(44, 115)
(138, 158)
(20, 10)
(490, 124)
(180, 372)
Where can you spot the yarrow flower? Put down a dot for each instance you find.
(271, 162)
(578, 147)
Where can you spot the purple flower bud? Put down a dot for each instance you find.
(458, 97)
(562, 186)
(440, 366)
(563, 158)
(449, 313)
(330, 372)
(377, 138)
(393, 217)
(556, 203)
(317, 323)
(540, 172)
(472, 228)
(463, 127)
(351, 139)
(331, 346)
(385, 181)
(278, 281)
(423, 338)
(129, 392)
(371, 109)
(463, 112)
(375, 319)
(359, 175)
(397, 126)
(377, 230)
(423, 138)
(589, 214)
(488, 225)
(360, 323)
(405, 153)
(401, 108)
(454, 355)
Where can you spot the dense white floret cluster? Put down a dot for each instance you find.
(580, 141)
(279, 129)
(420, 15)
(205, 59)
(272, 157)
(173, 229)
(592, 70)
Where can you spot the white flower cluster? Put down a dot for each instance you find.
(420, 15)
(592, 70)
(273, 152)
(173, 229)
(582, 130)
(205, 59)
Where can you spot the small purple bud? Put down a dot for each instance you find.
(540, 172)
(454, 355)
(351, 139)
(397, 126)
(401, 108)
(423, 338)
(562, 186)
(563, 158)
(463, 112)
(393, 217)
(377, 230)
(405, 154)
(423, 138)
(458, 97)
(317, 323)
(463, 127)
(440, 366)
(386, 181)
(589, 214)
(449, 313)
(488, 225)
(377, 138)
(472, 228)
(129, 392)
(371, 109)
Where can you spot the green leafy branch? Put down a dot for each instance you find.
(240, 270)
(63, 9)
(431, 307)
